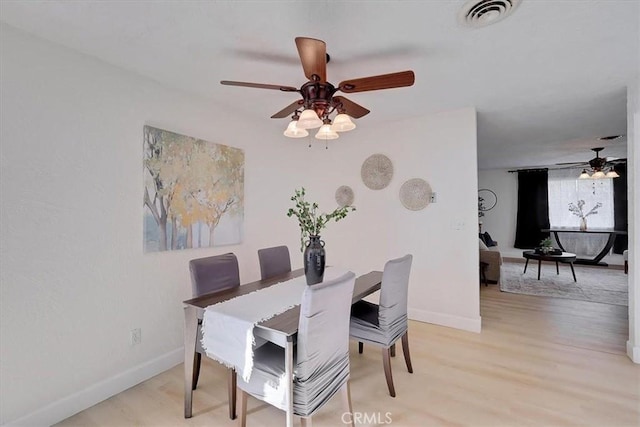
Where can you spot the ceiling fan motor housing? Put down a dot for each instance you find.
(597, 163)
(318, 96)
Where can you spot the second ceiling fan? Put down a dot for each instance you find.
(318, 101)
(601, 167)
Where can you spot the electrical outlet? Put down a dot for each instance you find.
(136, 336)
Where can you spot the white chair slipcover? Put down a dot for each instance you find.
(384, 323)
(321, 357)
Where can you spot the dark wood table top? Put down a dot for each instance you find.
(588, 230)
(563, 257)
(286, 322)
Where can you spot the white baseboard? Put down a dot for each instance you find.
(70, 405)
(633, 352)
(443, 319)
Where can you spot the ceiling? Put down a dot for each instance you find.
(546, 81)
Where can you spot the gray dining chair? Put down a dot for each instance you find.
(384, 323)
(209, 275)
(321, 358)
(274, 261)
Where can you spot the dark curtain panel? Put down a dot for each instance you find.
(620, 208)
(533, 208)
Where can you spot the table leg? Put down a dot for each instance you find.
(557, 269)
(190, 335)
(573, 272)
(232, 387)
(288, 369)
(483, 273)
(606, 249)
(539, 262)
(525, 266)
(555, 234)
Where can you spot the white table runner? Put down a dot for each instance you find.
(227, 327)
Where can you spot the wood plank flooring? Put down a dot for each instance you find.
(538, 362)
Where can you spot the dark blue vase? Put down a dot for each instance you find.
(314, 260)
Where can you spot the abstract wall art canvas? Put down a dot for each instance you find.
(193, 192)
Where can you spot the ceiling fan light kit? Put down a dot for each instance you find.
(318, 102)
(343, 123)
(293, 131)
(326, 133)
(309, 120)
(598, 165)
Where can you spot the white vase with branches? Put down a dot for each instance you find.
(578, 210)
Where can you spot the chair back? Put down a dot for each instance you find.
(274, 261)
(392, 314)
(214, 273)
(322, 364)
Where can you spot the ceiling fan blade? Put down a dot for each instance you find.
(259, 86)
(288, 110)
(616, 160)
(384, 81)
(351, 108)
(573, 164)
(313, 55)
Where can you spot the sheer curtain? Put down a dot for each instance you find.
(565, 188)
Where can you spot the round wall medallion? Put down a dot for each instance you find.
(377, 171)
(344, 196)
(487, 200)
(415, 194)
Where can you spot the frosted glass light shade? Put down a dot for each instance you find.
(326, 133)
(612, 174)
(293, 131)
(309, 120)
(598, 175)
(342, 123)
(584, 175)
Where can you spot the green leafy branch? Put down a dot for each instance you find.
(310, 222)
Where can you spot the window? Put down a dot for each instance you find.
(565, 188)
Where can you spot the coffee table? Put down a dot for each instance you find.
(564, 257)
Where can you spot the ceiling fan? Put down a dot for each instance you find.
(598, 165)
(318, 101)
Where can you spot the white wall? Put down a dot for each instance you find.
(500, 222)
(444, 278)
(74, 280)
(633, 141)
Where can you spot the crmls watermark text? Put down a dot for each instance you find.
(367, 418)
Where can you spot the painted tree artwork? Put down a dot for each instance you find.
(193, 192)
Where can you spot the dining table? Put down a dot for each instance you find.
(280, 329)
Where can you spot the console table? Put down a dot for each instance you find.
(607, 247)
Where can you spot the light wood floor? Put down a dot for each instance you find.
(538, 362)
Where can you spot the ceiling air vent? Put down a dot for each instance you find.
(480, 13)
